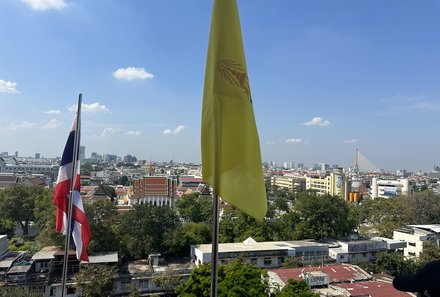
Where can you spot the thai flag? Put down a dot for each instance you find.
(80, 228)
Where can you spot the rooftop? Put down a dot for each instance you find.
(46, 253)
(337, 273)
(373, 289)
(111, 257)
(249, 245)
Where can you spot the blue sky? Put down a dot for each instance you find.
(326, 77)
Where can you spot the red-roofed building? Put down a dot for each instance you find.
(341, 280)
(372, 289)
(155, 190)
(337, 273)
(188, 185)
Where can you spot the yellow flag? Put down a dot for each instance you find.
(231, 159)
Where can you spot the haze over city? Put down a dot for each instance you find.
(326, 77)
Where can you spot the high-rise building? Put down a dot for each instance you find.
(386, 188)
(335, 184)
(82, 152)
(37, 155)
(288, 165)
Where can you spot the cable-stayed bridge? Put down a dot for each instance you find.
(362, 164)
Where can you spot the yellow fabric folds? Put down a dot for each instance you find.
(231, 159)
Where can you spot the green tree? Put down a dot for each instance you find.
(284, 226)
(45, 219)
(123, 180)
(168, 280)
(430, 253)
(17, 204)
(322, 216)
(236, 226)
(6, 227)
(17, 292)
(297, 289)
(422, 207)
(109, 190)
(280, 203)
(95, 280)
(395, 263)
(103, 219)
(134, 292)
(234, 279)
(384, 215)
(195, 208)
(143, 229)
(180, 239)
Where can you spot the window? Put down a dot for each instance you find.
(254, 261)
(70, 290)
(280, 260)
(125, 285)
(412, 254)
(267, 261)
(411, 243)
(143, 283)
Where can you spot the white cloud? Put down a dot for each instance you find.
(107, 132)
(8, 87)
(133, 133)
(52, 111)
(179, 129)
(317, 121)
(90, 108)
(350, 140)
(46, 4)
(131, 73)
(52, 124)
(295, 140)
(20, 125)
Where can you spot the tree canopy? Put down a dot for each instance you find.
(143, 229)
(322, 216)
(103, 219)
(234, 279)
(384, 215)
(95, 280)
(195, 208)
(17, 204)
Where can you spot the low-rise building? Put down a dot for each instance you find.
(268, 254)
(415, 236)
(291, 182)
(362, 250)
(336, 280)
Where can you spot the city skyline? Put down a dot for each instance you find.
(326, 78)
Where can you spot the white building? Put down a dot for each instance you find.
(415, 236)
(268, 254)
(3, 245)
(386, 188)
(362, 250)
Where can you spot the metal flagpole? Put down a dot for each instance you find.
(214, 252)
(72, 186)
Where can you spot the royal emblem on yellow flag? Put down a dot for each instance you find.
(231, 159)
